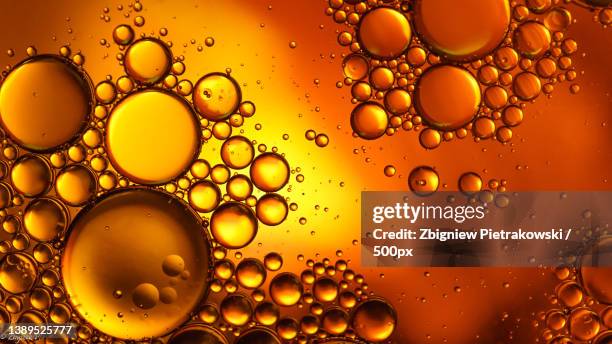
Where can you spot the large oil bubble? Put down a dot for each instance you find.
(45, 102)
(374, 320)
(286, 289)
(152, 136)
(384, 33)
(119, 265)
(233, 225)
(597, 279)
(216, 96)
(269, 172)
(460, 92)
(148, 60)
(462, 30)
(369, 120)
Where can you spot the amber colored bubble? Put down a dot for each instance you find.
(123, 34)
(527, 86)
(505, 58)
(488, 75)
(369, 120)
(484, 127)
(239, 187)
(18, 271)
(204, 196)
(152, 136)
(148, 60)
(570, 294)
(309, 324)
(198, 334)
(286, 289)
(604, 337)
(430, 138)
(258, 336)
(374, 320)
(532, 39)
(5, 195)
(236, 309)
(75, 185)
(597, 280)
(512, 116)
(381, 78)
(361, 91)
(384, 33)
(173, 265)
(546, 67)
(45, 102)
(557, 19)
(555, 320)
(273, 261)
(105, 92)
(250, 273)
(355, 66)
(216, 96)
(233, 225)
(287, 328)
(237, 152)
(460, 92)
(141, 228)
(470, 182)
(495, 97)
(335, 321)
(271, 209)
(45, 219)
(266, 313)
(397, 101)
(423, 180)
(31, 175)
(462, 31)
(584, 324)
(325, 289)
(269, 172)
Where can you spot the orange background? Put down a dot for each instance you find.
(564, 142)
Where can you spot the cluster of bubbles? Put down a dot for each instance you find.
(447, 68)
(424, 181)
(582, 301)
(114, 219)
(327, 302)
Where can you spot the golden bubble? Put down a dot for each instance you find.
(596, 280)
(258, 336)
(347, 299)
(557, 19)
(233, 225)
(216, 96)
(269, 172)
(286, 289)
(470, 182)
(125, 84)
(198, 334)
(555, 320)
(527, 86)
(271, 209)
(512, 116)
(173, 265)
(462, 31)
(384, 33)
(224, 269)
(60, 313)
(495, 97)
(209, 313)
(604, 337)
(33, 107)
(389, 170)
(287, 328)
(532, 39)
(17, 272)
(31, 175)
(381, 78)
(42, 253)
(459, 89)
(45, 219)
(309, 324)
(236, 309)
(584, 324)
(40, 299)
(430, 138)
(273, 261)
(505, 58)
(123, 34)
(570, 294)
(484, 127)
(239, 187)
(250, 273)
(107, 180)
(374, 320)
(488, 75)
(266, 313)
(361, 91)
(237, 152)
(322, 140)
(247, 109)
(75, 185)
(369, 120)
(355, 66)
(200, 169)
(325, 289)
(152, 136)
(397, 101)
(105, 92)
(117, 223)
(204, 196)
(148, 61)
(335, 321)
(546, 67)
(423, 180)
